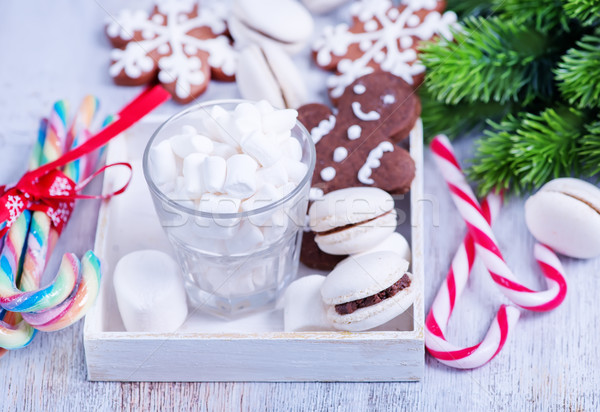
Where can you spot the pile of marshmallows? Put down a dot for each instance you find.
(368, 288)
(246, 159)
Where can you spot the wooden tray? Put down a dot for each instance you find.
(254, 348)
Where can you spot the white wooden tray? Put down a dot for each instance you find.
(249, 349)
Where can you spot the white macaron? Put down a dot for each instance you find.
(352, 220)
(268, 73)
(565, 215)
(367, 291)
(286, 23)
(393, 243)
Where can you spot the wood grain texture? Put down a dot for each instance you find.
(551, 363)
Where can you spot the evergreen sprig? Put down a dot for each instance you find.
(578, 73)
(456, 120)
(490, 60)
(544, 14)
(587, 12)
(465, 8)
(523, 152)
(590, 148)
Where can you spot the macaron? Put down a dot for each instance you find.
(366, 291)
(286, 23)
(565, 215)
(352, 220)
(268, 73)
(393, 243)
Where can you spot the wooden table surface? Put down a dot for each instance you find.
(53, 50)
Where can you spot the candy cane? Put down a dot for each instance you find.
(445, 301)
(487, 246)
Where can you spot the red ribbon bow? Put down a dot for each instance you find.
(49, 190)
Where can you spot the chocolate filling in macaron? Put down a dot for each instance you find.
(350, 307)
(345, 227)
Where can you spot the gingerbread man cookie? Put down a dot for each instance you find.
(358, 146)
(177, 43)
(382, 37)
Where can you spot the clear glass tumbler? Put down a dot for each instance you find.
(233, 263)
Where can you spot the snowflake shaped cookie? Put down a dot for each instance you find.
(382, 38)
(178, 43)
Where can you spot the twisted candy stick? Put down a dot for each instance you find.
(445, 300)
(487, 246)
(78, 134)
(76, 305)
(14, 333)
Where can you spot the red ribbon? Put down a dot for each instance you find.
(49, 190)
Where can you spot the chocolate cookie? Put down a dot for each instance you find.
(358, 146)
(177, 43)
(366, 45)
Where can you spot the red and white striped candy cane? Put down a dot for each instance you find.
(445, 301)
(487, 246)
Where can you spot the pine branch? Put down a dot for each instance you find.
(590, 148)
(578, 73)
(544, 14)
(586, 11)
(490, 60)
(522, 153)
(465, 8)
(456, 120)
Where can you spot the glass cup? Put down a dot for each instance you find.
(233, 263)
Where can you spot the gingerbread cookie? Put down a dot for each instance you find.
(358, 146)
(382, 37)
(177, 43)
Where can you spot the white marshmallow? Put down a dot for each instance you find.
(217, 228)
(247, 118)
(304, 310)
(261, 148)
(296, 171)
(150, 293)
(188, 129)
(184, 145)
(322, 6)
(192, 175)
(291, 148)
(249, 237)
(275, 175)
(241, 176)
(162, 159)
(224, 150)
(264, 107)
(220, 125)
(266, 195)
(279, 121)
(214, 171)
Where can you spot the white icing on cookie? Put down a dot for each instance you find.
(328, 173)
(373, 162)
(167, 33)
(325, 126)
(339, 154)
(359, 89)
(385, 27)
(388, 99)
(354, 132)
(372, 115)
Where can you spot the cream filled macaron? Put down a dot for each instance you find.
(366, 291)
(352, 220)
(565, 215)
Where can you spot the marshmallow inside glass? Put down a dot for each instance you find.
(230, 183)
